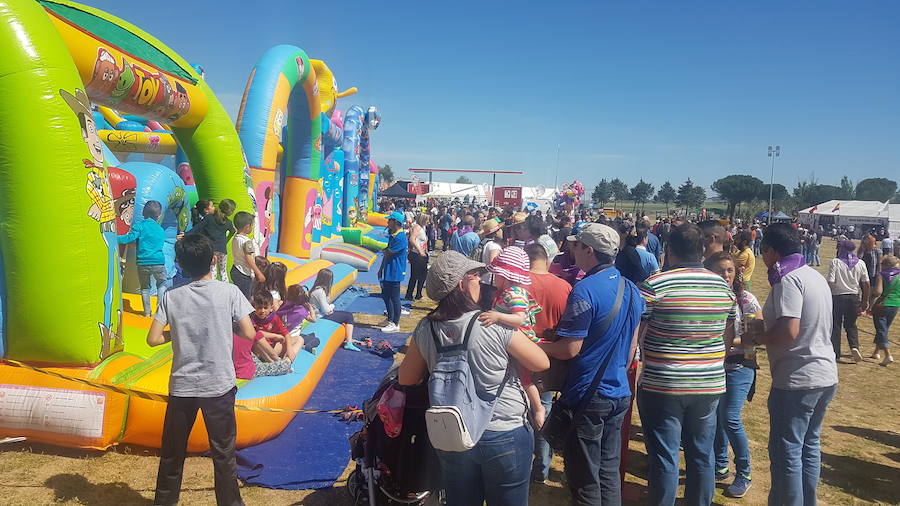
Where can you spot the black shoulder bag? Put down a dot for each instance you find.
(560, 425)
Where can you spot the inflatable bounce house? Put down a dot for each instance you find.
(121, 119)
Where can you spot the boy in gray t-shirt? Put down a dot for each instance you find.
(201, 316)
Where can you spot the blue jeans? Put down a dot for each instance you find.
(390, 292)
(670, 421)
(592, 457)
(496, 470)
(540, 468)
(795, 421)
(158, 276)
(882, 324)
(730, 426)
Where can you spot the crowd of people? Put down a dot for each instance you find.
(688, 316)
(555, 308)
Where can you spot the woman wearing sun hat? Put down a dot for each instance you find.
(497, 469)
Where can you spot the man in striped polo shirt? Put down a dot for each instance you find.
(688, 310)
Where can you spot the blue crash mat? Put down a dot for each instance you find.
(372, 304)
(313, 450)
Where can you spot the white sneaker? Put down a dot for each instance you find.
(390, 328)
(382, 323)
(857, 356)
(404, 311)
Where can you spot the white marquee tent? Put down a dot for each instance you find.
(853, 212)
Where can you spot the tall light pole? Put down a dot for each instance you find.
(556, 174)
(773, 154)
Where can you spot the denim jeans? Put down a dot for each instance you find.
(795, 421)
(882, 324)
(730, 425)
(543, 454)
(670, 421)
(419, 266)
(390, 292)
(592, 457)
(496, 470)
(158, 276)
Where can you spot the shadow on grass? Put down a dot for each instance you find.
(861, 479)
(74, 487)
(879, 436)
(326, 497)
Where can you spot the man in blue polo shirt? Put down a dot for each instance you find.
(592, 454)
(393, 270)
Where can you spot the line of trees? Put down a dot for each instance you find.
(738, 189)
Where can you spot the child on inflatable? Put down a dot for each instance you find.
(275, 284)
(244, 271)
(219, 229)
(321, 305)
(151, 263)
(296, 310)
(278, 343)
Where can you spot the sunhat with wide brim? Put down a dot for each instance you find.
(518, 219)
(512, 264)
(490, 226)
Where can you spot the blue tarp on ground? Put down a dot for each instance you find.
(372, 304)
(313, 450)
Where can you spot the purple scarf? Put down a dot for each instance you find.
(845, 253)
(263, 321)
(888, 276)
(785, 266)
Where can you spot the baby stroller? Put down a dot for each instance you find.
(394, 470)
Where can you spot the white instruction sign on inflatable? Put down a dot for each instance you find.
(58, 410)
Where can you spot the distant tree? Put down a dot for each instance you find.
(848, 191)
(690, 196)
(641, 193)
(876, 188)
(386, 173)
(666, 194)
(809, 193)
(737, 188)
(619, 190)
(463, 180)
(602, 192)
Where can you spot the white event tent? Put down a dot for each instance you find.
(853, 212)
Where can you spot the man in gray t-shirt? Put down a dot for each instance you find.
(808, 361)
(797, 336)
(200, 316)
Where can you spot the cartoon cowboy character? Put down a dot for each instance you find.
(102, 208)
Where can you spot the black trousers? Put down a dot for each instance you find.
(242, 281)
(419, 267)
(218, 414)
(844, 311)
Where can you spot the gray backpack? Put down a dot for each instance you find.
(459, 413)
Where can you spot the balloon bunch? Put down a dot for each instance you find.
(569, 195)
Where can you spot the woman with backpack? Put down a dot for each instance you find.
(497, 467)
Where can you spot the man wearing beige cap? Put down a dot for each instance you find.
(598, 332)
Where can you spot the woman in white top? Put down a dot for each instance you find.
(418, 257)
(492, 245)
(319, 299)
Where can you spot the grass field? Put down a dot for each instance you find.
(860, 450)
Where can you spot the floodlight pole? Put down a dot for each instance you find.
(556, 174)
(773, 154)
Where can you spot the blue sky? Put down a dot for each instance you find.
(659, 90)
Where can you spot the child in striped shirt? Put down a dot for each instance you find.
(515, 307)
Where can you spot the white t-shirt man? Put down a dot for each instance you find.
(846, 281)
(809, 361)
